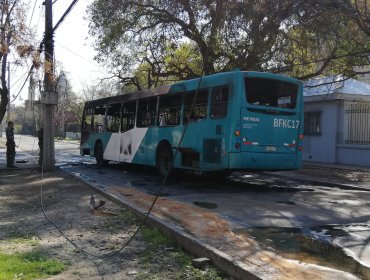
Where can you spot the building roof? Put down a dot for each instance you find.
(335, 84)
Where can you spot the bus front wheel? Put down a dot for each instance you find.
(164, 161)
(99, 152)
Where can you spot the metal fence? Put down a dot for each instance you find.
(357, 123)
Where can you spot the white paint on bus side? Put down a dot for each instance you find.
(123, 146)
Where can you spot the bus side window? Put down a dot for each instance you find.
(219, 102)
(88, 121)
(146, 112)
(99, 119)
(200, 106)
(169, 110)
(112, 118)
(128, 116)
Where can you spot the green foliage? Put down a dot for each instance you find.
(147, 43)
(330, 45)
(184, 60)
(28, 266)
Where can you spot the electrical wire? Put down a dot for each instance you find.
(33, 10)
(71, 241)
(69, 9)
(24, 83)
(45, 39)
(159, 191)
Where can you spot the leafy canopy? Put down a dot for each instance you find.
(148, 42)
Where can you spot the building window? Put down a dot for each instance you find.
(357, 119)
(312, 123)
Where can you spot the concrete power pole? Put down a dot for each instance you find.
(48, 95)
(8, 109)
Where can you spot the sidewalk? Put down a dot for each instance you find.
(332, 175)
(23, 159)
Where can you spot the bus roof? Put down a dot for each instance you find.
(188, 85)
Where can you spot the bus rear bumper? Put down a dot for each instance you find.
(264, 161)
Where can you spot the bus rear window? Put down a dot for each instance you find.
(272, 93)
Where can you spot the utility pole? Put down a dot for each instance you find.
(48, 95)
(8, 109)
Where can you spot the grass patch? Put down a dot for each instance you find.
(162, 259)
(155, 238)
(27, 266)
(59, 138)
(25, 240)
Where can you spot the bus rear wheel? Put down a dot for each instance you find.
(99, 152)
(164, 161)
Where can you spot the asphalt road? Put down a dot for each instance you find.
(291, 218)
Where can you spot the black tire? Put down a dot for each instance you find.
(99, 153)
(164, 161)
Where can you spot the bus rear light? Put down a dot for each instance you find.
(237, 146)
(300, 148)
(250, 143)
(301, 136)
(237, 132)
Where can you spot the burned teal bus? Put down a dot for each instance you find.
(234, 121)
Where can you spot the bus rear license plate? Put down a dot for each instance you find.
(270, 149)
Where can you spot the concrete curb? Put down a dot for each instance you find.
(191, 244)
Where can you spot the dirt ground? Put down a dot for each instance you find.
(66, 202)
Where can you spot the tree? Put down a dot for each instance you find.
(327, 40)
(299, 38)
(14, 35)
(356, 10)
(63, 111)
(74, 103)
(225, 34)
(328, 43)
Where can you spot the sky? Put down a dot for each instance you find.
(72, 48)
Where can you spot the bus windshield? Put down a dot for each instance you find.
(271, 93)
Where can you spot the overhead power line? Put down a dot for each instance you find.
(41, 45)
(69, 9)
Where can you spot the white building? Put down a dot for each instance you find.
(337, 121)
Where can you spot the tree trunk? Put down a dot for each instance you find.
(3, 102)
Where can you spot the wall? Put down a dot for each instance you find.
(329, 147)
(322, 148)
(73, 135)
(353, 154)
